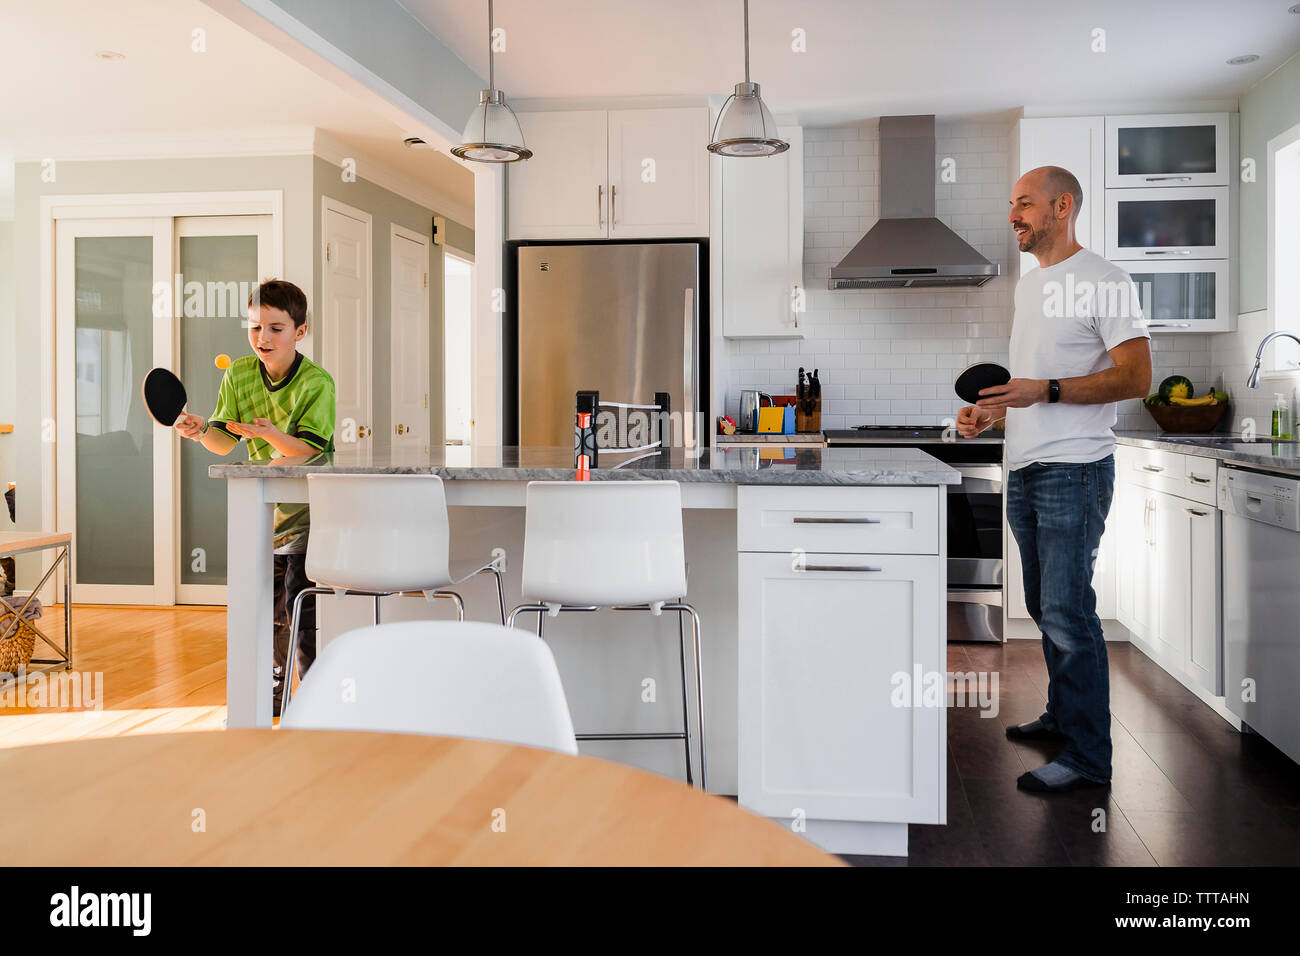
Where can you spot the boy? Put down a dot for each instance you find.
(281, 403)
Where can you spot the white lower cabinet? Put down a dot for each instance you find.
(841, 687)
(1169, 587)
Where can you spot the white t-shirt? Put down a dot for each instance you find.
(1067, 319)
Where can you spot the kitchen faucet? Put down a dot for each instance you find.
(1253, 380)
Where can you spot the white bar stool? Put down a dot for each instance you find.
(379, 535)
(615, 544)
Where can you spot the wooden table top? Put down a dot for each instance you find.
(258, 797)
(14, 541)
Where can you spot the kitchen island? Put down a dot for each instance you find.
(819, 576)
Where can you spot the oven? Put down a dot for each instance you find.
(975, 556)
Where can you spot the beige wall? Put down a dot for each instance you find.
(387, 208)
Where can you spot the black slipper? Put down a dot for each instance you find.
(1027, 781)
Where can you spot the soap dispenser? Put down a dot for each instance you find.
(1281, 417)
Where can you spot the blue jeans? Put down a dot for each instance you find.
(1057, 512)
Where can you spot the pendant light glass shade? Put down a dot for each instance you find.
(745, 126)
(492, 134)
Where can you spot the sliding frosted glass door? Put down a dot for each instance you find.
(220, 261)
(112, 461)
(149, 524)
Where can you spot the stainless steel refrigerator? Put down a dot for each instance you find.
(619, 319)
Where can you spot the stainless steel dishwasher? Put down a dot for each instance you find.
(1261, 602)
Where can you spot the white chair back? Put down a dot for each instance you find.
(603, 542)
(446, 678)
(378, 532)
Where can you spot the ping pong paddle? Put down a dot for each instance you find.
(979, 376)
(164, 396)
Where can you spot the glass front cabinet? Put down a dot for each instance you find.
(1187, 149)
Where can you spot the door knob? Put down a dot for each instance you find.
(363, 431)
(401, 429)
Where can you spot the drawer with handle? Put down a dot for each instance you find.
(1200, 480)
(1149, 468)
(839, 520)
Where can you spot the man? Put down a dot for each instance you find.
(1078, 345)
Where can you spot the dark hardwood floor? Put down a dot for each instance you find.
(1187, 789)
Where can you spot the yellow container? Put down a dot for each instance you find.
(770, 420)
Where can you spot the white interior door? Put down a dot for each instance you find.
(346, 309)
(409, 365)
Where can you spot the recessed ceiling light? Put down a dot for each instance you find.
(1244, 58)
(110, 55)
(414, 142)
(1295, 9)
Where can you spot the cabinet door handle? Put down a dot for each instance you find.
(613, 209)
(1199, 514)
(1153, 468)
(1167, 252)
(600, 204)
(837, 521)
(837, 567)
(1169, 179)
(1198, 479)
(1169, 325)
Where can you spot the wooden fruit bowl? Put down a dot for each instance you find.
(1198, 418)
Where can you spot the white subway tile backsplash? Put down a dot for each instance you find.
(891, 356)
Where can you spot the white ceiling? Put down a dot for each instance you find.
(867, 58)
(240, 86)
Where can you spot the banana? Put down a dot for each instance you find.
(1193, 402)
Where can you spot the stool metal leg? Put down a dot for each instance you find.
(501, 592)
(699, 680)
(292, 656)
(686, 713)
(377, 597)
(453, 596)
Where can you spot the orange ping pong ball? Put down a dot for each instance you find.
(223, 361)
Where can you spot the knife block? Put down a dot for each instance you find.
(808, 421)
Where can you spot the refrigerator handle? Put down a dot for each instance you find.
(689, 372)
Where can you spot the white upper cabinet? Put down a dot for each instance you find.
(625, 174)
(762, 242)
(561, 193)
(1076, 143)
(1182, 149)
(658, 173)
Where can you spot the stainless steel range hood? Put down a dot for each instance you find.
(908, 247)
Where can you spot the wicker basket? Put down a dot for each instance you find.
(1185, 419)
(17, 641)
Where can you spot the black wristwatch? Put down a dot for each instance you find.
(1053, 391)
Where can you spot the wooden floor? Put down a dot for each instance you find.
(1188, 789)
(164, 670)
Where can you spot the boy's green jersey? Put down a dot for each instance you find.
(301, 405)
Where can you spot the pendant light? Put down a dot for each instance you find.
(492, 134)
(745, 126)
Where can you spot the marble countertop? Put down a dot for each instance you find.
(765, 438)
(1222, 445)
(756, 465)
